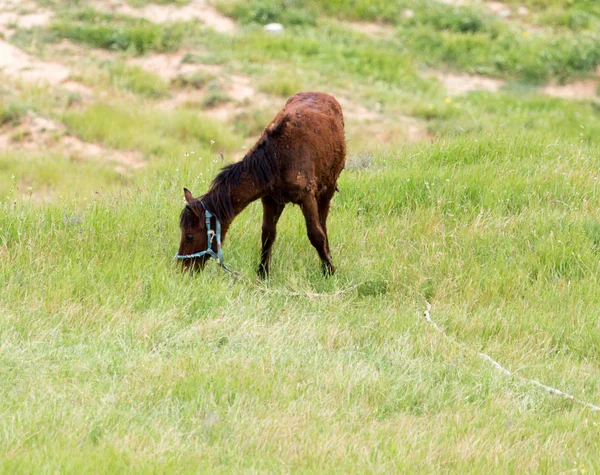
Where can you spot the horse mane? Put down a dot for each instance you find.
(260, 164)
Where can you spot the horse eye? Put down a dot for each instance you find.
(189, 237)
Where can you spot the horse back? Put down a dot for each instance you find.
(308, 138)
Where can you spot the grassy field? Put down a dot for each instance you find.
(113, 361)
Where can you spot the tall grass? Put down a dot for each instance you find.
(162, 370)
(111, 360)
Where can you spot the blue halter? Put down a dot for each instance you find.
(218, 256)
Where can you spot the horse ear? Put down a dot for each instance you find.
(188, 195)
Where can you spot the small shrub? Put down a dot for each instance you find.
(192, 58)
(214, 97)
(12, 114)
(196, 80)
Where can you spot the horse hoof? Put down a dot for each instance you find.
(328, 270)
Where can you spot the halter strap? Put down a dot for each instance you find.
(210, 234)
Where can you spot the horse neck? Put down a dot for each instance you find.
(241, 183)
(240, 194)
(243, 194)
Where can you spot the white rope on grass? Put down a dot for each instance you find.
(499, 367)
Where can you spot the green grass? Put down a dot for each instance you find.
(313, 373)
(282, 84)
(111, 360)
(465, 38)
(51, 175)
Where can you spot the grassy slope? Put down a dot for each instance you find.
(111, 361)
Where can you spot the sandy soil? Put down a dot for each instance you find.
(195, 10)
(18, 64)
(457, 84)
(169, 66)
(374, 30)
(584, 89)
(21, 14)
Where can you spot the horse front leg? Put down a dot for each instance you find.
(316, 234)
(271, 213)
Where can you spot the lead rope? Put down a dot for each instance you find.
(502, 369)
(219, 257)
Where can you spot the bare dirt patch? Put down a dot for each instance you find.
(372, 127)
(169, 66)
(386, 132)
(356, 111)
(239, 88)
(86, 93)
(35, 132)
(21, 14)
(73, 53)
(500, 9)
(18, 64)
(374, 30)
(457, 84)
(584, 89)
(195, 10)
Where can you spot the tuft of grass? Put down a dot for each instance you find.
(534, 58)
(289, 12)
(195, 80)
(215, 96)
(12, 113)
(114, 32)
(281, 84)
(136, 80)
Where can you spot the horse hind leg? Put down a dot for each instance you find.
(316, 234)
(271, 214)
(323, 205)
